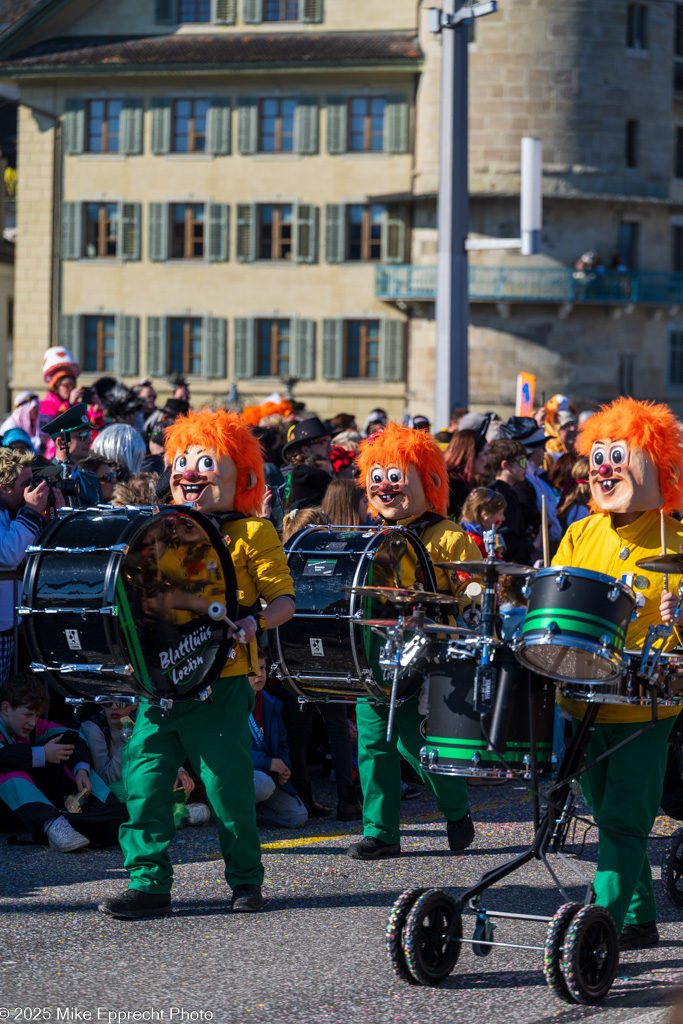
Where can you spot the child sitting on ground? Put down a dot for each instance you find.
(276, 801)
(484, 510)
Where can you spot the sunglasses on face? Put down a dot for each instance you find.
(83, 435)
(109, 478)
(522, 462)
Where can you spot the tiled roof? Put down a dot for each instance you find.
(285, 49)
(12, 10)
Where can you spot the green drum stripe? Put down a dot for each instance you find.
(128, 626)
(574, 626)
(479, 744)
(465, 754)
(570, 614)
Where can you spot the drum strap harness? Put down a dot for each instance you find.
(243, 610)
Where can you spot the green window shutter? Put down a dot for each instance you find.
(335, 232)
(336, 124)
(158, 232)
(224, 12)
(74, 127)
(217, 215)
(214, 340)
(312, 10)
(70, 335)
(219, 126)
(305, 233)
(307, 125)
(157, 363)
(247, 131)
(164, 12)
(246, 232)
(392, 357)
(127, 362)
(161, 125)
(131, 127)
(396, 125)
(302, 364)
(333, 349)
(72, 234)
(244, 348)
(128, 241)
(252, 12)
(394, 235)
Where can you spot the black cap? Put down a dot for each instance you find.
(305, 432)
(176, 407)
(526, 430)
(308, 486)
(74, 418)
(157, 434)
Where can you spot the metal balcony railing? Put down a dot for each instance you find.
(536, 284)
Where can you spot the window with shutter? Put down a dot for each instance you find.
(224, 12)
(252, 12)
(362, 357)
(337, 118)
(303, 353)
(74, 126)
(393, 350)
(215, 340)
(335, 232)
(70, 335)
(219, 126)
(305, 233)
(217, 241)
(161, 125)
(246, 232)
(396, 124)
(164, 12)
(158, 232)
(157, 346)
(247, 130)
(244, 348)
(72, 231)
(312, 10)
(131, 127)
(307, 125)
(127, 346)
(333, 351)
(100, 337)
(129, 247)
(394, 235)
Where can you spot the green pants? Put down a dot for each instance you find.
(215, 737)
(624, 792)
(379, 765)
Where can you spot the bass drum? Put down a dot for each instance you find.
(115, 603)
(325, 652)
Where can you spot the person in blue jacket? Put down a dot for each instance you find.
(276, 799)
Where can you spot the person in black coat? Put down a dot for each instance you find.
(507, 462)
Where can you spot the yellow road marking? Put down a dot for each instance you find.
(288, 844)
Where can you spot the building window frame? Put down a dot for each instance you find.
(272, 346)
(197, 138)
(631, 143)
(106, 235)
(275, 239)
(192, 235)
(361, 349)
(192, 7)
(636, 27)
(674, 357)
(375, 109)
(109, 115)
(283, 121)
(103, 326)
(366, 237)
(281, 10)
(184, 345)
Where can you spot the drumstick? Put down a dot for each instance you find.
(662, 531)
(544, 533)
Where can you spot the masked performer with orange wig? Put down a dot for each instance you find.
(636, 469)
(216, 465)
(407, 485)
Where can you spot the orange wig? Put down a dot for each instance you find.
(654, 428)
(253, 414)
(226, 434)
(403, 447)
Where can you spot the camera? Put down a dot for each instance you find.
(87, 395)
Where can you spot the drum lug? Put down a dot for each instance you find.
(476, 757)
(561, 579)
(605, 641)
(526, 589)
(166, 703)
(613, 594)
(551, 629)
(205, 694)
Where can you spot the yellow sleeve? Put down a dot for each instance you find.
(450, 544)
(267, 562)
(565, 553)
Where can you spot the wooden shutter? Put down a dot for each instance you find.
(164, 12)
(219, 126)
(224, 12)
(312, 10)
(333, 349)
(244, 347)
(131, 127)
(214, 340)
(247, 130)
(392, 357)
(158, 232)
(307, 125)
(394, 235)
(252, 12)
(336, 124)
(246, 232)
(128, 245)
(396, 125)
(335, 232)
(127, 361)
(161, 125)
(305, 215)
(70, 335)
(302, 364)
(217, 215)
(157, 363)
(74, 126)
(72, 231)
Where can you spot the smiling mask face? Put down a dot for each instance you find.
(204, 478)
(396, 493)
(623, 478)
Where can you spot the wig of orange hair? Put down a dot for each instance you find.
(403, 447)
(253, 414)
(644, 425)
(555, 405)
(228, 435)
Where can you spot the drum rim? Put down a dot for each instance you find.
(558, 641)
(572, 570)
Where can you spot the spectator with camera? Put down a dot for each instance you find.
(72, 435)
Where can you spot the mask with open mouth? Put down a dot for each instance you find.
(204, 478)
(396, 493)
(623, 477)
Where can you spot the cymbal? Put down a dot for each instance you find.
(412, 623)
(488, 566)
(672, 564)
(399, 595)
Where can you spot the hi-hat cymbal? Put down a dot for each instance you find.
(488, 566)
(672, 564)
(399, 595)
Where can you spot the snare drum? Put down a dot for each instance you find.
(115, 603)
(575, 625)
(325, 652)
(632, 687)
(454, 741)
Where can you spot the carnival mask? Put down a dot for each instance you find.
(396, 493)
(623, 478)
(205, 479)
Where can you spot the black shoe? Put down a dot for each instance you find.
(314, 807)
(246, 899)
(639, 936)
(460, 833)
(134, 903)
(348, 808)
(370, 848)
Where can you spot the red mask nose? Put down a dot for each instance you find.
(605, 470)
(191, 475)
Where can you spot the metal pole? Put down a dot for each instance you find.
(452, 307)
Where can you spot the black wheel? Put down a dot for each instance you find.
(590, 955)
(672, 868)
(431, 937)
(394, 933)
(483, 932)
(552, 955)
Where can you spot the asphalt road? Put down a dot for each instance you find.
(316, 954)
